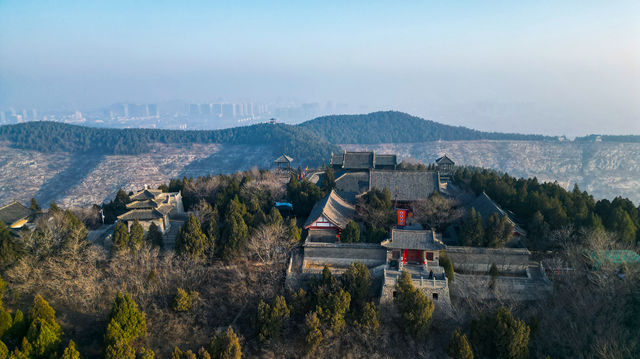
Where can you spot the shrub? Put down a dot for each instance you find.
(447, 264)
(459, 347)
(225, 345)
(351, 233)
(183, 301)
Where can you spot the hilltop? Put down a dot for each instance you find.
(399, 127)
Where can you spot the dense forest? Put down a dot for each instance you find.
(398, 127)
(545, 207)
(53, 136)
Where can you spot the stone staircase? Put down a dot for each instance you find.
(169, 238)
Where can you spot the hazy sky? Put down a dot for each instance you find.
(553, 67)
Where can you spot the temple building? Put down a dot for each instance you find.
(328, 218)
(15, 215)
(418, 253)
(358, 161)
(152, 206)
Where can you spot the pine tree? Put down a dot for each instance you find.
(270, 318)
(34, 206)
(351, 233)
(43, 337)
(293, 230)
(120, 237)
(136, 235)
(154, 236)
(18, 329)
(235, 234)
(53, 208)
(357, 280)
(120, 349)
(472, 230)
(328, 180)
(225, 345)
(70, 352)
(10, 248)
(191, 241)
(459, 347)
(183, 301)
(415, 308)
(313, 337)
(368, 320)
(42, 310)
(5, 321)
(274, 217)
(4, 351)
(179, 354)
(125, 321)
(447, 264)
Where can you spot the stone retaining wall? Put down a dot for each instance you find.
(475, 259)
(343, 254)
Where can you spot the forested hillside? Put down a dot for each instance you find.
(397, 127)
(53, 137)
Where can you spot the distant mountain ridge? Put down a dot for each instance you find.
(399, 127)
(311, 141)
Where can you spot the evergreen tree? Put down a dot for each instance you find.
(53, 208)
(70, 352)
(351, 233)
(328, 180)
(191, 241)
(357, 280)
(18, 329)
(313, 337)
(459, 347)
(500, 336)
(41, 310)
(119, 349)
(154, 236)
(43, 337)
(332, 306)
(126, 322)
(136, 235)
(225, 345)
(121, 238)
(293, 230)
(274, 217)
(179, 354)
(414, 307)
(10, 247)
(270, 319)
(497, 231)
(235, 233)
(4, 351)
(447, 264)
(183, 301)
(5, 321)
(34, 206)
(472, 230)
(368, 320)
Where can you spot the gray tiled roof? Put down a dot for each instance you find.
(352, 183)
(334, 208)
(444, 160)
(14, 212)
(283, 159)
(145, 194)
(141, 215)
(412, 239)
(406, 185)
(149, 203)
(362, 160)
(485, 206)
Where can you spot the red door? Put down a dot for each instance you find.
(414, 256)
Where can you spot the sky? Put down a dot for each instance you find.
(551, 67)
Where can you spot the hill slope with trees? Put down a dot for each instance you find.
(53, 136)
(398, 127)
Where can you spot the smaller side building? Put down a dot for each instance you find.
(153, 206)
(15, 215)
(328, 218)
(418, 253)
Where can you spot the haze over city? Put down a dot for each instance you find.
(558, 68)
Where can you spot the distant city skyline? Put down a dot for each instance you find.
(555, 68)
